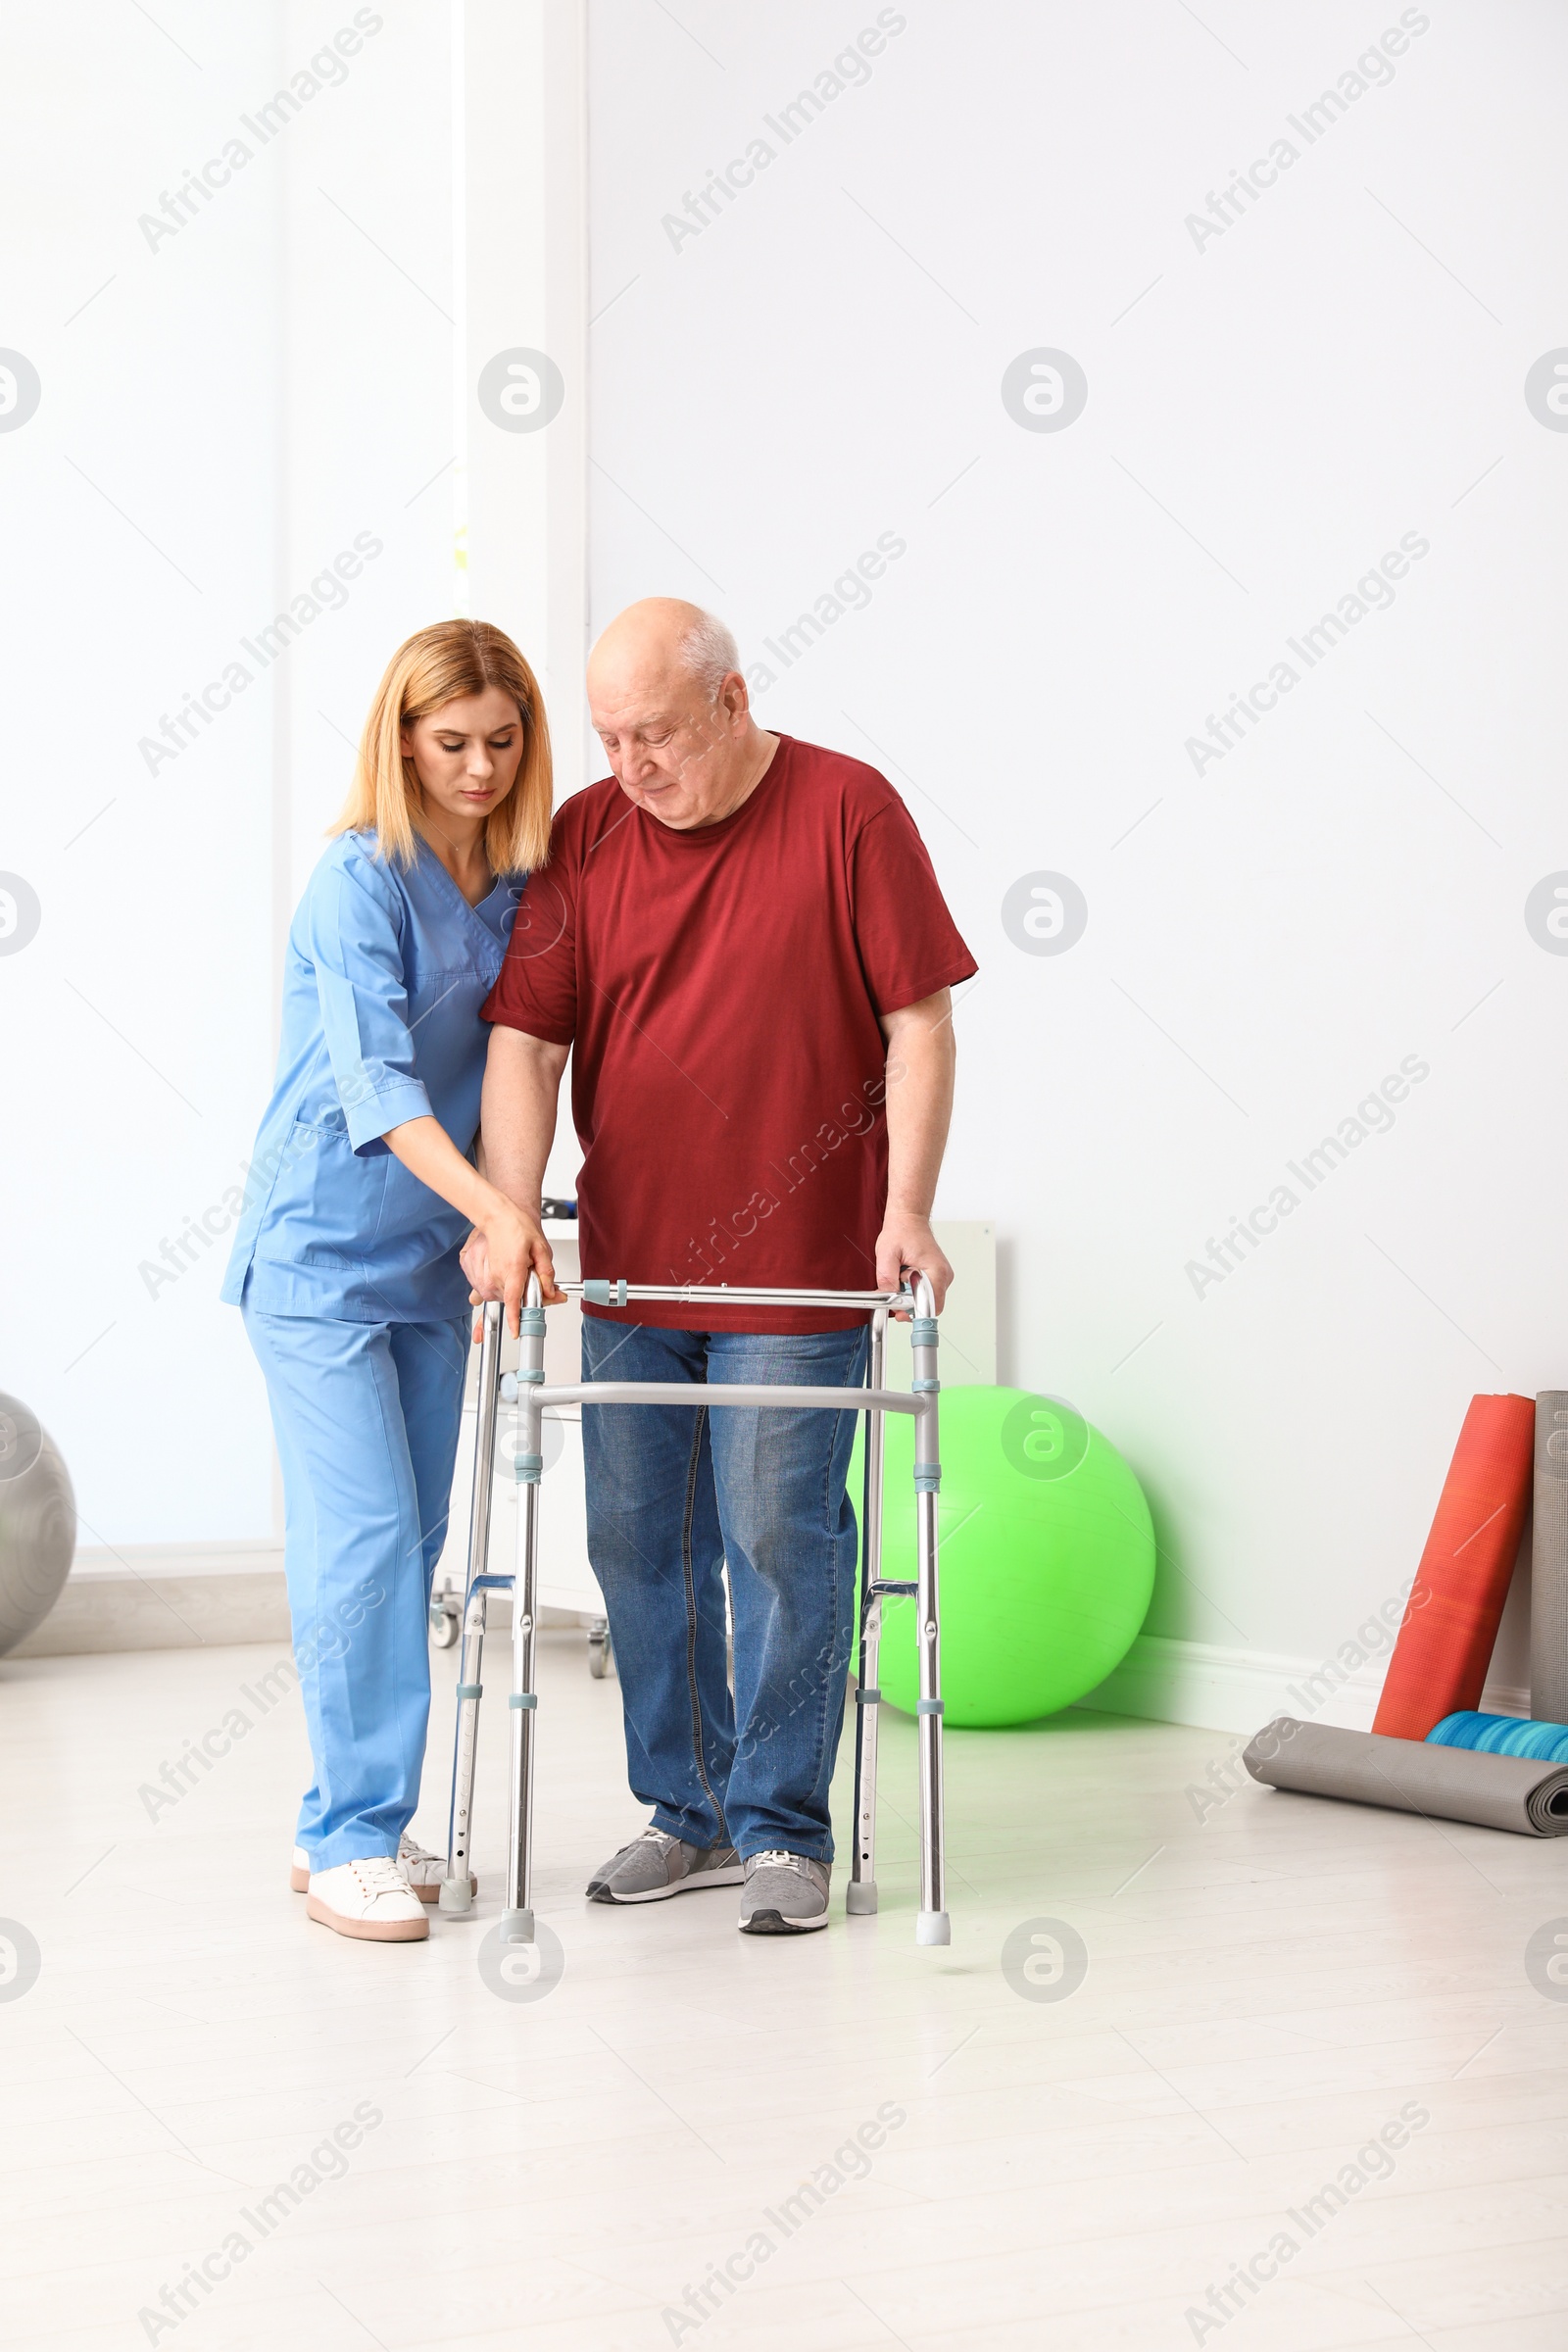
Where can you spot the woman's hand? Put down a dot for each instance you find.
(512, 1240)
(474, 1259)
(505, 1248)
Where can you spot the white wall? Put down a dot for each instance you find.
(818, 367)
(236, 403)
(1269, 410)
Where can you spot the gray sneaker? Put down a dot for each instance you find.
(656, 1865)
(786, 1895)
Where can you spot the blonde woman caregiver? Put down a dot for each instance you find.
(344, 1265)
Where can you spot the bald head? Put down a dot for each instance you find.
(662, 640)
(670, 706)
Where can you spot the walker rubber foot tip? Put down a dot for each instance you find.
(932, 1927)
(455, 1896)
(517, 1927)
(860, 1897)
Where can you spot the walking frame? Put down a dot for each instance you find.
(526, 1389)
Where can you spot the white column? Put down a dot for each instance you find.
(521, 167)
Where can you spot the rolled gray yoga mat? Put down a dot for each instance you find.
(1408, 1775)
(1548, 1562)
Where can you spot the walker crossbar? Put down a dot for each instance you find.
(527, 1389)
(681, 1391)
(723, 1293)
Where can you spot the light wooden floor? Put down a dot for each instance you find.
(1267, 1989)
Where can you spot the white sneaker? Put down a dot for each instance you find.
(369, 1900)
(423, 1871)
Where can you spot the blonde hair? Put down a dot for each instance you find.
(433, 667)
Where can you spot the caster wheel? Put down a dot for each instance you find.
(601, 1654)
(443, 1623)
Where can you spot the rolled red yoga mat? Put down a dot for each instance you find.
(1450, 1621)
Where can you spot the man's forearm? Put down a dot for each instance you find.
(518, 1112)
(921, 1062)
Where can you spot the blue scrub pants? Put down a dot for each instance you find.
(367, 1416)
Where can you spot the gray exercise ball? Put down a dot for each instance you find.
(37, 1522)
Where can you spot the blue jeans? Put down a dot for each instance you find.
(367, 1416)
(674, 1492)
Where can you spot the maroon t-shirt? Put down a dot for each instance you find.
(720, 989)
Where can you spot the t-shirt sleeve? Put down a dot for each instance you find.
(537, 990)
(909, 943)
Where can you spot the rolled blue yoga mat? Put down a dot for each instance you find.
(1503, 1736)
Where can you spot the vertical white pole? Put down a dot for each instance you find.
(462, 602)
(523, 308)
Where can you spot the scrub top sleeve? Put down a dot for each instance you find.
(354, 937)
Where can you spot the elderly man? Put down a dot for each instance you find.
(740, 939)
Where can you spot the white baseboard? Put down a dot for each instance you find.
(131, 1609)
(176, 1559)
(187, 1596)
(1228, 1689)
(175, 1595)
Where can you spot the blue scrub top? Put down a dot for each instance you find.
(387, 969)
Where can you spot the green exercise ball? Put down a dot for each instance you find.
(1047, 1556)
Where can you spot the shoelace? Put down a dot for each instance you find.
(380, 1876)
(409, 1851)
(777, 1859)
